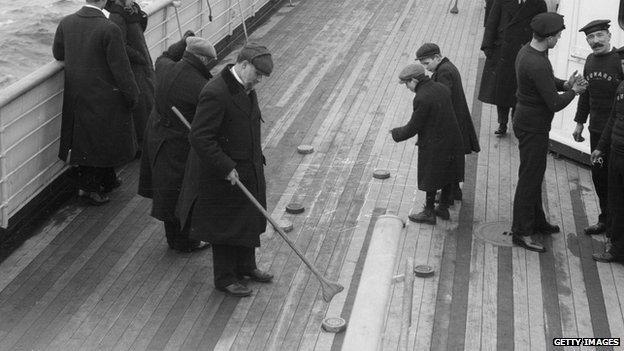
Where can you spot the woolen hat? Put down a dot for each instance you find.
(414, 70)
(547, 24)
(200, 47)
(427, 50)
(259, 56)
(595, 26)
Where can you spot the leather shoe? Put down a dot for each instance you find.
(426, 216)
(116, 184)
(527, 243)
(442, 212)
(606, 257)
(501, 131)
(548, 229)
(597, 228)
(259, 276)
(94, 198)
(191, 247)
(236, 289)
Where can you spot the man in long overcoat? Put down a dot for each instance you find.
(445, 72)
(132, 21)
(97, 133)
(226, 146)
(166, 146)
(440, 148)
(506, 30)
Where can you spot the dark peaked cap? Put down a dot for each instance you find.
(427, 50)
(595, 26)
(547, 24)
(257, 55)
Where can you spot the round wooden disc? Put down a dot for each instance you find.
(423, 271)
(285, 225)
(294, 208)
(305, 149)
(381, 174)
(334, 324)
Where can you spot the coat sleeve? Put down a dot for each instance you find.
(120, 66)
(582, 108)
(415, 124)
(133, 55)
(204, 134)
(58, 47)
(490, 33)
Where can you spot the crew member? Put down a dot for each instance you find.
(604, 73)
(538, 100)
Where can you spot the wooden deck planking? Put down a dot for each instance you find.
(336, 91)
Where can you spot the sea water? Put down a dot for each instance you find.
(26, 33)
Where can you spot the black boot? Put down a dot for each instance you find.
(501, 131)
(427, 215)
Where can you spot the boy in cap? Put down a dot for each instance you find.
(445, 72)
(538, 100)
(440, 155)
(612, 139)
(603, 72)
(180, 78)
(225, 147)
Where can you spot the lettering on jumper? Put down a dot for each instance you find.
(599, 76)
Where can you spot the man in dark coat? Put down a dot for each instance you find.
(97, 133)
(225, 147)
(166, 146)
(445, 72)
(611, 143)
(440, 149)
(538, 100)
(506, 30)
(132, 21)
(604, 73)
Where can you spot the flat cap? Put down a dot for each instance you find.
(547, 24)
(595, 25)
(200, 47)
(427, 50)
(257, 55)
(414, 70)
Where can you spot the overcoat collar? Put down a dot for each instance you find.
(239, 96)
(86, 11)
(524, 11)
(197, 64)
(424, 81)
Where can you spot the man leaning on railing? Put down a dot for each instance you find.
(97, 133)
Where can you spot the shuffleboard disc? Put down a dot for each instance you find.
(334, 324)
(295, 208)
(381, 174)
(423, 271)
(305, 149)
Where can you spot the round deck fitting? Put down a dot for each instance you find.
(381, 174)
(334, 324)
(423, 271)
(295, 208)
(305, 149)
(496, 233)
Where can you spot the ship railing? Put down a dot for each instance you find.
(30, 109)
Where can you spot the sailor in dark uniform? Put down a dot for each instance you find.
(604, 73)
(612, 139)
(538, 99)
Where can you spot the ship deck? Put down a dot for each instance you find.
(103, 277)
